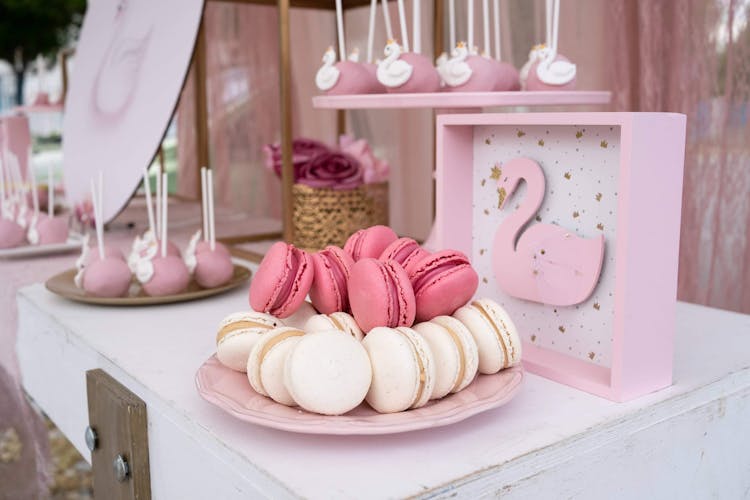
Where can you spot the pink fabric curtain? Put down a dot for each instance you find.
(693, 57)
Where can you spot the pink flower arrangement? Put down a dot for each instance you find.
(316, 165)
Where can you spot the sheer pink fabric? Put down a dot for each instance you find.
(693, 57)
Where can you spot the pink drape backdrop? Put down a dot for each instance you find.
(693, 57)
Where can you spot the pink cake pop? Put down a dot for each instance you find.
(211, 265)
(547, 69)
(45, 229)
(105, 276)
(468, 73)
(158, 272)
(11, 233)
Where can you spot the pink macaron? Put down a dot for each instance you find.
(370, 242)
(282, 281)
(380, 294)
(406, 252)
(443, 282)
(329, 292)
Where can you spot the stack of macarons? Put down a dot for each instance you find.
(329, 366)
(381, 279)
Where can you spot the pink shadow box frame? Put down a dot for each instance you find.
(646, 215)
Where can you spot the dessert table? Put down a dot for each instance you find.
(551, 441)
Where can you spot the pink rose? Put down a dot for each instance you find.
(373, 169)
(303, 151)
(331, 170)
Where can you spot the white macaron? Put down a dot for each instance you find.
(494, 332)
(455, 352)
(237, 335)
(340, 321)
(328, 373)
(265, 365)
(403, 369)
(301, 316)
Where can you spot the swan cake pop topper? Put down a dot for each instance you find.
(403, 71)
(544, 263)
(158, 272)
(546, 69)
(107, 274)
(347, 76)
(211, 264)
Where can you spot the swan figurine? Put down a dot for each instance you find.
(542, 263)
(328, 74)
(455, 71)
(392, 71)
(554, 71)
(535, 55)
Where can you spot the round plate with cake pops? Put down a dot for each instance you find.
(156, 271)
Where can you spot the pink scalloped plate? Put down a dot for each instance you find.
(230, 391)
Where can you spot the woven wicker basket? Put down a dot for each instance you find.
(324, 216)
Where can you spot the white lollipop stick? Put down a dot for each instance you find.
(402, 22)
(387, 20)
(101, 200)
(32, 180)
(149, 206)
(417, 26)
(555, 26)
(204, 203)
(470, 20)
(548, 21)
(211, 219)
(97, 221)
(486, 26)
(340, 28)
(496, 19)
(50, 191)
(158, 203)
(452, 23)
(371, 29)
(164, 218)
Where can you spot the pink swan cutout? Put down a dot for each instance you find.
(545, 263)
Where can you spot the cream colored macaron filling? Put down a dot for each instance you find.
(238, 325)
(278, 339)
(420, 365)
(498, 334)
(461, 359)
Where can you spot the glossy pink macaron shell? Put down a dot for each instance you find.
(380, 295)
(424, 76)
(109, 277)
(329, 291)
(354, 78)
(11, 234)
(534, 83)
(282, 281)
(405, 251)
(213, 268)
(52, 230)
(442, 282)
(483, 76)
(170, 277)
(370, 242)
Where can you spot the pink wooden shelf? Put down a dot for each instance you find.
(446, 100)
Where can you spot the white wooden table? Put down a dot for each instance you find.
(689, 441)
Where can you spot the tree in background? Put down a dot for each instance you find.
(32, 27)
